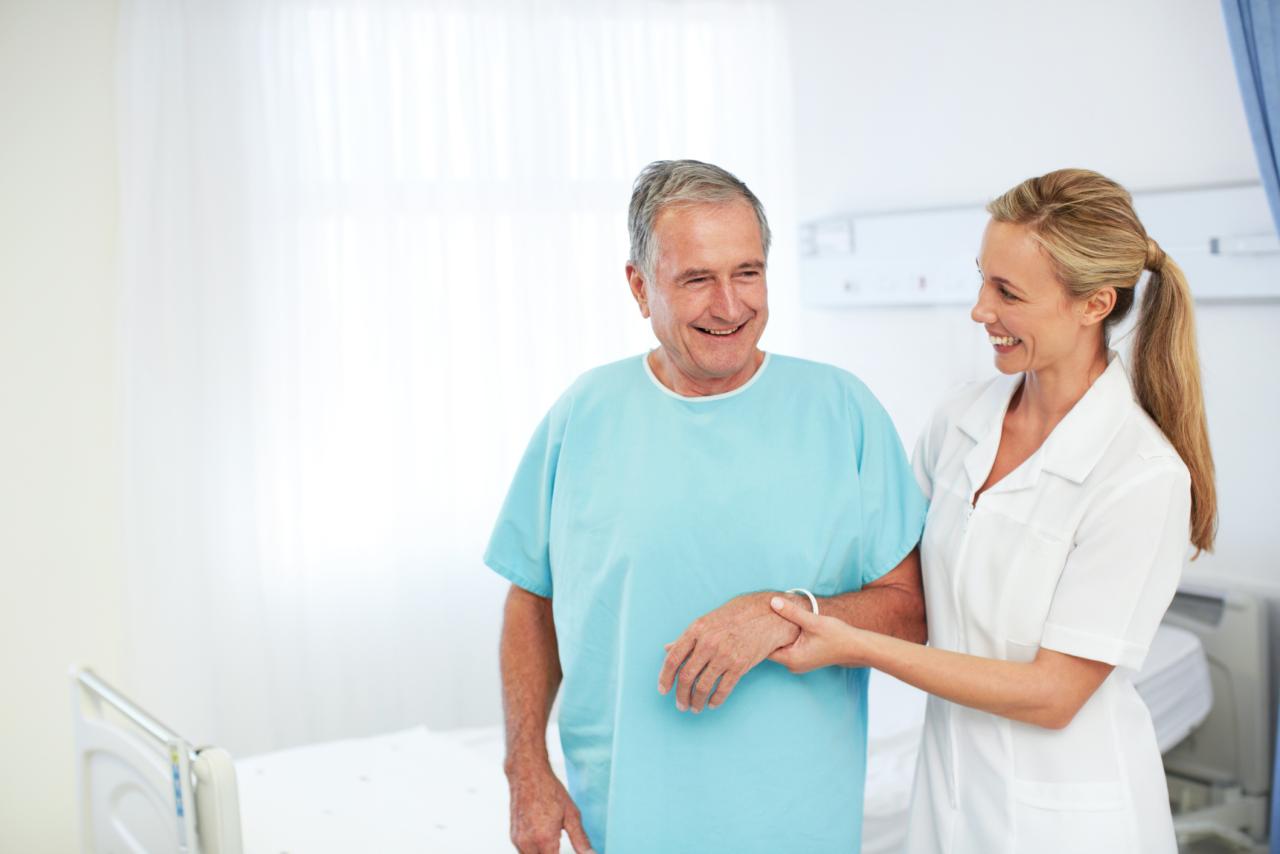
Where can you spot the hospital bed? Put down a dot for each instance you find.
(145, 789)
(1220, 776)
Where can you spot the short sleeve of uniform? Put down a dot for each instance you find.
(893, 509)
(519, 548)
(924, 460)
(1123, 570)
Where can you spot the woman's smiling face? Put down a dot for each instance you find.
(1029, 317)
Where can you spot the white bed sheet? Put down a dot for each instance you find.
(424, 791)
(1175, 684)
(410, 791)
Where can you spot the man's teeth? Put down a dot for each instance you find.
(720, 331)
(1004, 340)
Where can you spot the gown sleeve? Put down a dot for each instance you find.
(893, 508)
(519, 548)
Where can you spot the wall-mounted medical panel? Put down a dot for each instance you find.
(1223, 237)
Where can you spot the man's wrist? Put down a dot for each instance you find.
(790, 629)
(809, 599)
(763, 597)
(526, 761)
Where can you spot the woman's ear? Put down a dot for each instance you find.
(1097, 306)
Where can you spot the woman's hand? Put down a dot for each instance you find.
(823, 641)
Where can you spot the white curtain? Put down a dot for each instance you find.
(365, 247)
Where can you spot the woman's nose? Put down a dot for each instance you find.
(982, 312)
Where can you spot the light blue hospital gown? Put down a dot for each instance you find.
(637, 510)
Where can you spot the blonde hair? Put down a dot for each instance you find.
(1086, 225)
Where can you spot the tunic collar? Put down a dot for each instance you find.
(1075, 445)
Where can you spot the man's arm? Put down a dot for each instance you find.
(530, 660)
(719, 648)
(891, 605)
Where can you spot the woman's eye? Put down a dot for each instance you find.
(1006, 296)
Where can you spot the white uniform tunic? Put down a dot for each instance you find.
(1077, 550)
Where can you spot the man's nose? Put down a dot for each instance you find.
(725, 302)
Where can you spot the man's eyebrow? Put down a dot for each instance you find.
(695, 272)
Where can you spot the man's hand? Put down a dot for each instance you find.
(540, 806)
(540, 809)
(823, 641)
(722, 645)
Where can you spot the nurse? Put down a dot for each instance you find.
(1063, 495)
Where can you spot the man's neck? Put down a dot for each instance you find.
(688, 386)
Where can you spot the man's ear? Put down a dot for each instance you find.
(1098, 305)
(639, 288)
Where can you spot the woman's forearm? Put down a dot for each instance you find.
(1046, 692)
(1020, 691)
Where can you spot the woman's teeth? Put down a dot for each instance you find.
(1004, 340)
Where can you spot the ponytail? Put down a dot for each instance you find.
(1166, 379)
(1087, 225)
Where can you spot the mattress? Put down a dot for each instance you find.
(410, 791)
(420, 790)
(1175, 684)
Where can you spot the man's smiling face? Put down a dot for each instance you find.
(707, 298)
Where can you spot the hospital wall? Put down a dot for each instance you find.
(928, 104)
(60, 551)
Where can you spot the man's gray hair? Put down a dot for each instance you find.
(676, 182)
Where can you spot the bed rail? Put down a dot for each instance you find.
(90, 682)
(134, 780)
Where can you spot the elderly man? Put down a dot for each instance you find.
(698, 479)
